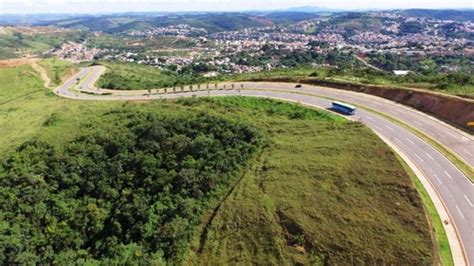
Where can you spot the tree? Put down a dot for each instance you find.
(109, 198)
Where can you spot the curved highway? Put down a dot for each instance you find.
(451, 191)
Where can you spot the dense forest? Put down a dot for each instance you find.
(134, 188)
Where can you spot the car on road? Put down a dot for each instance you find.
(298, 86)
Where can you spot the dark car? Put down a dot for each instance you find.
(298, 86)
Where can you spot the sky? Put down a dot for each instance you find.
(109, 6)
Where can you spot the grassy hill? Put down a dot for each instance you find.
(311, 198)
(15, 44)
(306, 196)
(127, 76)
(212, 22)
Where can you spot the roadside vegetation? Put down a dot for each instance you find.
(282, 159)
(58, 70)
(459, 84)
(129, 76)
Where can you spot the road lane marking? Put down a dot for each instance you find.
(451, 134)
(437, 178)
(409, 140)
(390, 128)
(460, 212)
(431, 157)
(398, 140)
(468, 200)
(450, 177)
(419, 157)
(379, 128)
(417, 122)
(470, 154)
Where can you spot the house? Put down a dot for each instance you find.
(401, 72)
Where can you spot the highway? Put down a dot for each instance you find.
(451, 191)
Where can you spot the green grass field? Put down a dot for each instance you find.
(127, 76)
(324, 191)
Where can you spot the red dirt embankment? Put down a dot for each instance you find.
(451, 109)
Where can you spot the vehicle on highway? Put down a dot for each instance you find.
(344, 108)
(298, 86)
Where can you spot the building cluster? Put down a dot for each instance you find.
(74, 52)
(390, 34)
(174, 30)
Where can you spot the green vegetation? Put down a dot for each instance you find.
(129, 76)
(411, 27)
(211, 22)
(452, 83)
(361, 208)
(446, 14)
(18, 81)
(135, 187)
(311, 198)
(57, 69)
(15, 44)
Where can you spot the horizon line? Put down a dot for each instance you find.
(243, 11)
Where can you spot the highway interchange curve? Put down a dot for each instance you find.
(450, 189)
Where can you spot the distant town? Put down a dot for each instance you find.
(262, 48)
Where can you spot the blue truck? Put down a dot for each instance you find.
(344, 108)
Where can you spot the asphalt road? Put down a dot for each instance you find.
(454, 189)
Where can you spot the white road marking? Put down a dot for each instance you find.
(398, 140)
(431, 157)
(460, 212)
(419, 157)
(379, 128)
(409, 140)
(450, 177)
(470, 154)
(390, 128)
(451, 134)
(437, 178)
(417, 122)
(468, 200)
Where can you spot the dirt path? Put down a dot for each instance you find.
(368, 65)
(44, 75)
